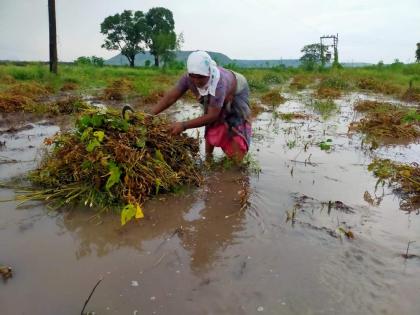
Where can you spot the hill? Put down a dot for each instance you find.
(220, 58)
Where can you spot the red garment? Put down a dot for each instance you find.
(228, 140)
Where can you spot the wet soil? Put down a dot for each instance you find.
(202, 253)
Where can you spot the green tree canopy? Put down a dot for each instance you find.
(161, 37)
(125, 32)
(311, 56)
(93, 60)
(418, 52)
(311, 52)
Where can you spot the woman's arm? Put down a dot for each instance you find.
(211, 116)
(167, 100)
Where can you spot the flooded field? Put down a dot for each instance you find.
(313, 237)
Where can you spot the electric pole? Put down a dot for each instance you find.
(334, 45)
(53, 36)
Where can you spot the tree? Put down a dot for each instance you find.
(53, 36)
(311, 56)
(161, 37)
(418, 52)
(95, 61)
(125, 32)
(82, 60)
(169, 56)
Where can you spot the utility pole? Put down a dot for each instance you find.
(334, 45)
(53, 36)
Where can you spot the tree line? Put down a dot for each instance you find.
(130, 33)
(312, 56)
(134, 32)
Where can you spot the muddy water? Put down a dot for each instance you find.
(200, 253)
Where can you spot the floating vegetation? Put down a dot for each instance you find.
(326, 145)
(404, 178)
(324, 107)
(273, 98)
(385, 121)
(6, 272)
(118, 90)
(111, 163)
(291, 144)
(291, 116)
(372, 200)
(305, 204)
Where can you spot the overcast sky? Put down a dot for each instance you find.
(369, 30)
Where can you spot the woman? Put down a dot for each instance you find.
(224, 95)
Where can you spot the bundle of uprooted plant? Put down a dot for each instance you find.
(387, 121)
(405, 178)
(108, 162)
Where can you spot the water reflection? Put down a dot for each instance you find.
(204, 221)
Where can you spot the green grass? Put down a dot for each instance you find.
(392, 79)
(145, 80)
(324, 107)
(411, 116)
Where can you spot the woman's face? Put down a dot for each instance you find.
(199, 81)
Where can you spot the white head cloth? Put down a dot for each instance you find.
(200, 62)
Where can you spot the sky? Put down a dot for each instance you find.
(368, 30)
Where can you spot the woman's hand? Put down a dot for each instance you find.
(177, 127)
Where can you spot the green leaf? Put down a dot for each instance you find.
(84, 122)
(324, 146)
(86, 133)
(127, 213)
(159, 156)
(114, 175)
(99, 135)
(92, 145)
(119, 124)
(86, 165)
(158, 183)
(411, 116)
(97, 120)
(140, 143)
(142, 130)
